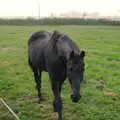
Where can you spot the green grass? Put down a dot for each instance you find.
(101, 93)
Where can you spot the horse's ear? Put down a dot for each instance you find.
(82, 54)
(55, 35)
(71, 54)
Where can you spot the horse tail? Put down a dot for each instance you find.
(30, 63)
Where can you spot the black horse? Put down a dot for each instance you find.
(58, 55)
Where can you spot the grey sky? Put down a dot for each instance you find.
(16, 8)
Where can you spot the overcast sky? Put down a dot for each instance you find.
(16, 8)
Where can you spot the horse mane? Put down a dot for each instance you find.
(54, 38)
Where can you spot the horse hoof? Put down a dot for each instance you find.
(54, 110)
(40, 100)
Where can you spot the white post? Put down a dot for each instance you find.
(17, 118)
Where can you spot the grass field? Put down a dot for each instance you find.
(101, 93)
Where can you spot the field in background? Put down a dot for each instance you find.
(101, 93)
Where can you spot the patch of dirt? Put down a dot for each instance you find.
(28, 98)
(110, 94)
(7, 49)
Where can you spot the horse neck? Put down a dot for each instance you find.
(65, 49)
(65, 46)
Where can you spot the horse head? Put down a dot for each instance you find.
(75, 73)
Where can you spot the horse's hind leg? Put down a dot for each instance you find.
(40, 76)
(37, 77)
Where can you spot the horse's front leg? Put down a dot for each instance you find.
(57, 103)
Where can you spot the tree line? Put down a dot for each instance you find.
(58, 21)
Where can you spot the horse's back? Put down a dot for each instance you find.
(36, 45)
(37, 37)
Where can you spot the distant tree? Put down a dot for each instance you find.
(84, 14)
